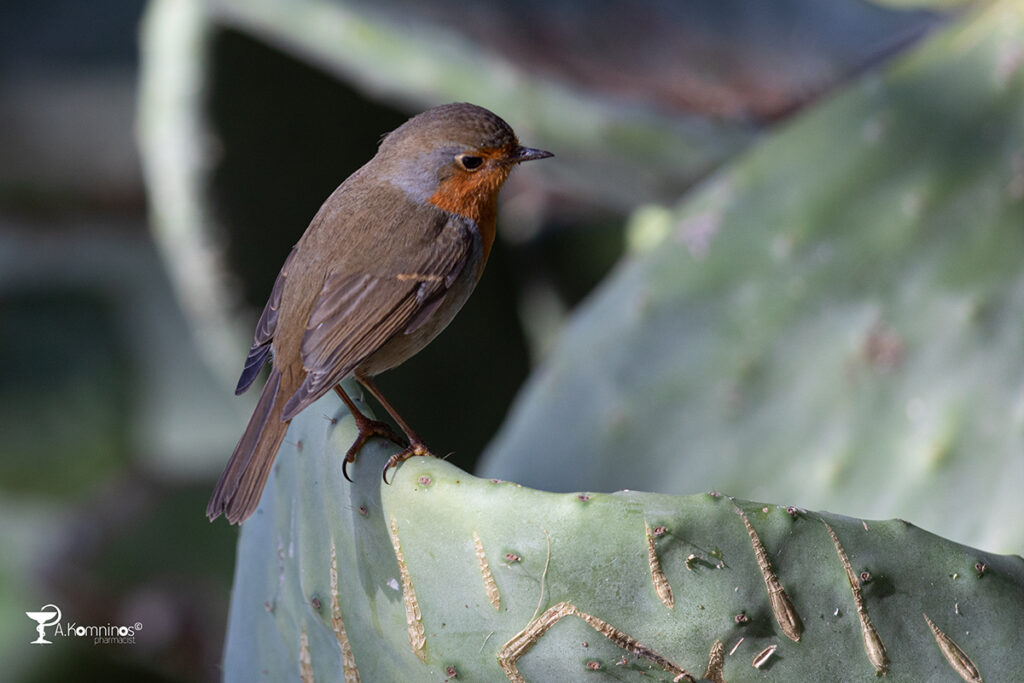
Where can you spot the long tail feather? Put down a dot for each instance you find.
(240, 486)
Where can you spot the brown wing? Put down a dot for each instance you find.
(355, 314)
(265, 329)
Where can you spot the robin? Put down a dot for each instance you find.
(383, 267)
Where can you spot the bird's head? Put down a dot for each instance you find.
(456, 157)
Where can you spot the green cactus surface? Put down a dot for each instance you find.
(833, 321)
(443, 576)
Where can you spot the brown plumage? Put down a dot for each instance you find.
(383, 267)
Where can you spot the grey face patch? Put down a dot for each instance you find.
(420, 174)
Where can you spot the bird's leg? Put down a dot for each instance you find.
(416, 445)
(366, 427)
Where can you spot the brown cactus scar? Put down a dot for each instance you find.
(305, 659)
(661, 584)
(956, 657)
(785, 614)
(521, 642)
(716, 662)
(490, 585)
(348, 660)
(417, 634)
(873, 645)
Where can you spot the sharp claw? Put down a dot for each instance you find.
(398, 458)
(393, 462)
(350, 456)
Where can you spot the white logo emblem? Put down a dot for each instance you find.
(48, 615)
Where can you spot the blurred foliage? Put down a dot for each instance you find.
(106, 411)
(722, 59)
(931, 4)
(138, 554)
(66, 344)
(107, 414)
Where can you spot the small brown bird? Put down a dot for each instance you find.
(384, 266)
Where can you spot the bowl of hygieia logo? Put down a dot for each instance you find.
(48, 615)
(105, 634)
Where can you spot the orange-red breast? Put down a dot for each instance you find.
(383, 267)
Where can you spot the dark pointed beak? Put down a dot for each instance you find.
(528, 154)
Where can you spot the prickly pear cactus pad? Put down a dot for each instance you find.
(442, 576)
(833, 321)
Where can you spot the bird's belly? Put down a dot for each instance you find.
(401, 346)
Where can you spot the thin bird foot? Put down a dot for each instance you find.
(367, 428)
(415, 448)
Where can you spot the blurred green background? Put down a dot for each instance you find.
(159, 160)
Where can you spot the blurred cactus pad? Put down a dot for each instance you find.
(836, 320)
(442, 576)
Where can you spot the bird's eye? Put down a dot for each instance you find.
(469, 162)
